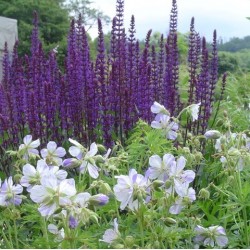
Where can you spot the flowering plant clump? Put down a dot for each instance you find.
(76, 198)
(97, 169)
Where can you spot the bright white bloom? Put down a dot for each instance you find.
(10, 193)
(86, 158)
(59, 173)
(186, 196)
(53, 154)
(212, 134)
(211, 236)
(163, 122)
(178, 175)
(32, 176)
(59, 233)
(128, 188)
(111, 234)
(51, 195)
(157, 108)
(29, 147)
(194, 110)
(159, 169)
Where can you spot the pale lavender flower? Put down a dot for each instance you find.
(110, 235)
(59, 173)
(186, 196)
(159, 168)
(28, 148)
(163, 122)
(59, 233)
(50, 195)
(32, 176)
(178, 175)
(53, 154)
(211, 236)
(157, 108)
(86, 158)
(10, 193)
(128, 188)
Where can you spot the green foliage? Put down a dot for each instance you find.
(227, 63)
(235, 44)
(145, 141)
(53, 22)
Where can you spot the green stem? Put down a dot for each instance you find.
(45, 232)
(15, 232)
(116, 204)
(8, 243)
(140, 216)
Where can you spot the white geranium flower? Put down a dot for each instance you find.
(194, 111)
(10, 193)
(159, 169)
(53, 154)
(163, 122)
(186, 196)
(129, 187)
(157, 108)
(211, 236)
(110, 235)
(87, 162)
(60, 235)
(178, 175)
(32, 176)
(28, 148)
(59, 173)
(51, 195)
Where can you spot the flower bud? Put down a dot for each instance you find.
(168, 184)
(98, 200)
(99, 159)
(101, 148)
(71, 163)
(119, 246)
(186, 150)
(212, 134)
(157, 184)
(198, 156)
(170, 220)
(17, 178)
(105, 189)
(204, 194)
(73, 223)
(129, 241)
(157, 244)
(91, 161)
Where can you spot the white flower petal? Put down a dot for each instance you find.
(27, 139)
(51, 146)
(35, 143)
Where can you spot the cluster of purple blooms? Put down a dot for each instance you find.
(109, 94)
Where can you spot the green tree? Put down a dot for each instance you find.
(89, 14)
(53, 21)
